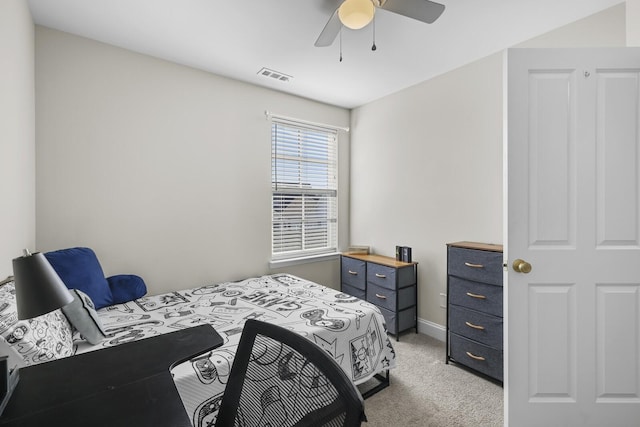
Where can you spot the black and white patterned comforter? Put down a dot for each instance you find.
(351, 330)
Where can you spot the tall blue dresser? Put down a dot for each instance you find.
(474, 308)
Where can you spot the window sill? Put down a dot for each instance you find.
(281, 263)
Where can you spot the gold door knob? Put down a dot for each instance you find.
(521, 266)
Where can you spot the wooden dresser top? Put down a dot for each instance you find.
(476, 245)
(379, 259)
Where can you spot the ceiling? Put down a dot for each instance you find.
(236, 38)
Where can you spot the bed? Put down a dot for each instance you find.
(351, 330)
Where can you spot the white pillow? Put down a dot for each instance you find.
(82, 315)
(15, 359)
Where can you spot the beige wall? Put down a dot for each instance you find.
(163, 170)
(633, 23)
(17, 141)
(604, 29)
(427, 161)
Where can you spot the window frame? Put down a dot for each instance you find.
(288, 188)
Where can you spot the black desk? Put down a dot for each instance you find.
(126, 385)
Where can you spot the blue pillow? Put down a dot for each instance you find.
(126, 287)
(79, 268)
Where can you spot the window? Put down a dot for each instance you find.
(304, 187)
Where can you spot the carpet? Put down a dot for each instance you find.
(427, 392)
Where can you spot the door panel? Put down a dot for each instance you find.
(552, 376)
(617, 159)
(618, 343)
(551, 158)
(573, 213)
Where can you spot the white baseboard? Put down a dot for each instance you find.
(432, 329)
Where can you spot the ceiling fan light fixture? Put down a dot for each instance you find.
(356, 14)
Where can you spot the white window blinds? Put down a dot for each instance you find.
(304, 186)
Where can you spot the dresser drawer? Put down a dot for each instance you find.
(484, 359)
(478, 296)
(381, 275)
(406, 319)
(389, 277)
(484, 328)
(351, 290)
(477, 265)
(354, 273)
(383, 297)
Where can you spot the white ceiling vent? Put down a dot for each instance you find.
(277, 75)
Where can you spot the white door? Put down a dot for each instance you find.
(573, 213)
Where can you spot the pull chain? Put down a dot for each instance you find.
(340, 44)
(373, 47)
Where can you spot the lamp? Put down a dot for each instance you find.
(356, 14)
(39, 289)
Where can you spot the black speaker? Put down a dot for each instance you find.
(406, 254)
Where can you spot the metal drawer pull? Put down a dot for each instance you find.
(468, 264)
(355, 273)
(381, 296)
(382, 276)
(471, 325)
(476, 296)
(473, 356)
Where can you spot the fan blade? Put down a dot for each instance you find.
(330, 31)
(422, 10)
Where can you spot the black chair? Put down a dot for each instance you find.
(280, 378)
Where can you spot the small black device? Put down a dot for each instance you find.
(403, 253)
(406, 254)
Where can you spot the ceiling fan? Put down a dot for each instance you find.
(356, 14)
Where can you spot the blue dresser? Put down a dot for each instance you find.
(474, 307)
(390, 285)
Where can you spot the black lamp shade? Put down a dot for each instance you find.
(39, 289)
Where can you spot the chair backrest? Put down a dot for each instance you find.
(279, 378)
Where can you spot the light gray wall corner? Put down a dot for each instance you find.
(633, 22)
(432, 329)
(17, 133)
(325, 272)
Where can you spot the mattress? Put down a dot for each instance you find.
(351, 330)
